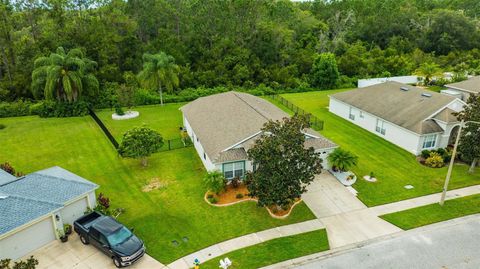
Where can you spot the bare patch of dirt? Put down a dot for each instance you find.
(153, 184)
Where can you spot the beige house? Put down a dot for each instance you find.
(223, 127)
(465, 88)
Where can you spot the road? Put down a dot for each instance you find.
(455, 244)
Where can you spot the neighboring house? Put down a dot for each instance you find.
(409, 117)
(362, 83)
(34, 206)
(465, 88)
(223, 127)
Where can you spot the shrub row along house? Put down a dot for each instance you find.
(223, 127)
(411, 118)
(33, 208)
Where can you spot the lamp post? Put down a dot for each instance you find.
(452, 160)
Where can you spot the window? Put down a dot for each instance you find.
(429, 141)
(350, 114)
(361, 114)
(204, 156)
(232, 170)
(380, 128)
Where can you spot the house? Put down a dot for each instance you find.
(465, 88)
(409, 117)
(223, 127)
(34, 206)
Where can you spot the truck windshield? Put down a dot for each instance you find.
(120, 236)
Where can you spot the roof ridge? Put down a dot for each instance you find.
(256, 110)
(61, 178)
(32, 199)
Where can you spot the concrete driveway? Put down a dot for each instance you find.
(75, 255)
(326, 196)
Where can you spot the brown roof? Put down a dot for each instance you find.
(409, 108)
(446, 115)
(470, 85)
(224, 119)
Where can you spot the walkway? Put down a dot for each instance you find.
(245, 241)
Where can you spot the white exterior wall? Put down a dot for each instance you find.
(198, 146)
(394, 134)
(28, 239)
(362, 83)
(74, 210)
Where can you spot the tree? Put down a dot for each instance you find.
(284, 167)
(325, 73)
(159, 70)
(428, 70)
(469, 146)
(126, 96)
(342, 160)
(215, 181)
(64, 76)
(139, 143)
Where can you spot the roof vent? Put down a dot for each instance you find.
(426, 95)
(405, 89)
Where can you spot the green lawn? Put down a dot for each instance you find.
(165, 119)
(274, 251)
(175, 211)
(393, 166)
(424, 215)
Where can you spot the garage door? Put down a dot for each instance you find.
(74, 210)
(27, 240)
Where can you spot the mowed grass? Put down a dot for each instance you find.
(424, 215)
(274, 251)
(174, 211)
(164, 119)
(393, 166)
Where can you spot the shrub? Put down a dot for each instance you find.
(372, 175)
(425, 153)
(119, 110)
(2, 126)
(235, 182)
(30, 263)
(435, 160)
(239, 196)
(214, 181)
(209, 196)
(213, 200)
(15, 109)
(50, 109)
(9, 169)
(441, 151)
(342, 160)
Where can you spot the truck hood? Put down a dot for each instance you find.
(128, 247)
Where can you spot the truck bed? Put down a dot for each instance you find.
(84, 223)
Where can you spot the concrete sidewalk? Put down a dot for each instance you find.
(245, 241)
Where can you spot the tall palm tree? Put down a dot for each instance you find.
(342, 160)
(159, 70)
(64, 76)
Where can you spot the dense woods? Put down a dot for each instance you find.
(243, 43)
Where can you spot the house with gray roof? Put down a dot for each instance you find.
(409, 117)
(33, 207)
(465, 88)
(223, 127)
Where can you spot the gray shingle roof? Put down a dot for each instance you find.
(470, 85)
(408, 109)
(5, 177)
(38, 194)
(221, 120)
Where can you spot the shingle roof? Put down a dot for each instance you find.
(408, 109)
(447, 116)
(38, 194)
(5, 177)
(470, 85)
(224, 119)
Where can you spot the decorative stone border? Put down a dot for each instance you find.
(128, 115)
(253, 200)
(342, 177)
(370, 179)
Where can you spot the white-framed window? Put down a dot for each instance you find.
(429, 141)
(350, 114)
(361, 114)
(233, 170)
(380, 128)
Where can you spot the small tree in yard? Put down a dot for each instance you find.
(342, 160)
(139, 143)
(325, 71)
(126, 96)
(469, 146)
(215, 181)
(284, 166)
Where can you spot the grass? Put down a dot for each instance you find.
(174, 211)
(428, 214)
(393, 166)
(165, 119)
(274, 251)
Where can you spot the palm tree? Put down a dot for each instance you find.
(428, 70)
(159, 70)
(342, 160)
(64, 76)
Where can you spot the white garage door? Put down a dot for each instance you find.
(27, 240)
(74, 211)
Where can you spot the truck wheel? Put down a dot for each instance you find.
(116, 261)
(84, 240)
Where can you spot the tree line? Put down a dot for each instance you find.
(245, 43)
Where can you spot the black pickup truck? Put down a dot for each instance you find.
(111, 237)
